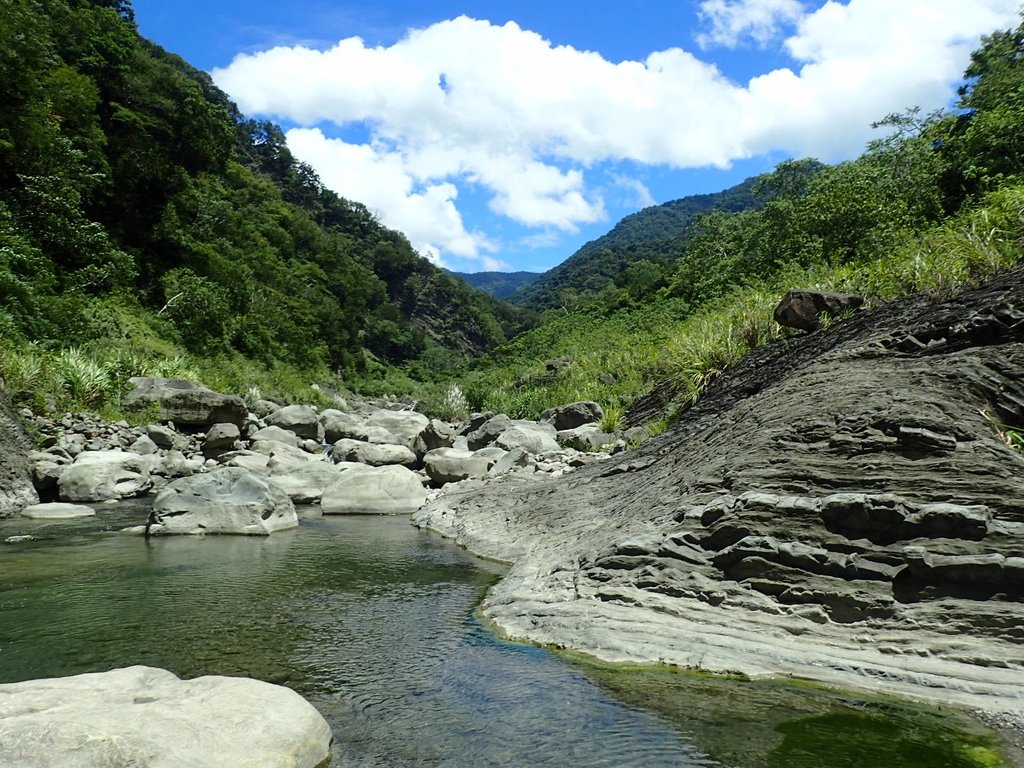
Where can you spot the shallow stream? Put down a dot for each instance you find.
(373, 622)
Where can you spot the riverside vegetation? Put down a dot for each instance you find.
(148, 228)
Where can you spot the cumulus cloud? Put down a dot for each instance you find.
(733, 20)
(466, 103)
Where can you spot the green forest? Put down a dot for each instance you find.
(147, 227)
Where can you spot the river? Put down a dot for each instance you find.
(373, 622)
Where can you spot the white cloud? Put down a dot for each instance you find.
(466, 102)
(638, 193)
(732, 20)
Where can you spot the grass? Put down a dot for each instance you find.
(666, 341)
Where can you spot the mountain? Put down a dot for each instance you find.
(501, 285)
(657, 234)
(139, 208)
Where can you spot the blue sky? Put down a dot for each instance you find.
(506, 135)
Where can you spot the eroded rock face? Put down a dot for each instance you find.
(840, 507)
(226, 500)
(148, 718)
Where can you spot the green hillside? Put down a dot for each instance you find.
(500, 285)
(141, 212)
(655, 236)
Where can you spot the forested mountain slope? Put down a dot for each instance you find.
(500, 285)
(656, 234)
(136, 202)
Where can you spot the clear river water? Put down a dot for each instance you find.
(373, 622)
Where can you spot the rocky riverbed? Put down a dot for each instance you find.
(843, 506)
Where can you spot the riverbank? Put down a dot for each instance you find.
(842, 507)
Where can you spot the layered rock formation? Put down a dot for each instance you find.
(842, 506)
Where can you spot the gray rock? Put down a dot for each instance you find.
(57, 511)
(147, 718)
(534, 437)
(45, 476)
(488, 432)
(338, 425)
(226, 500)
(390, 490)
(276, 434)
(164, 437)
(373, 454)
(450, 465)
(587, 437)
(573, 415)
(221, 437)
(103, 476)
(144, 446)
(405, 426)
(185, 403)
(515, 460)
(254, 461)
(304, 484)
(303, 420)
(437, 434)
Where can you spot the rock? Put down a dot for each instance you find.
(264, 408)
(373, 454)
(390, 490)
(488, 432)
(57, 511)
(19, 540)
(516, 459)
(534, 437)
(573, 415)
(104, 475)
(839, 507)
(338, 425)
(148, 718)
(450, 465)
(304, 484)
(73, 444)
(437, 434)
(405, 426)
(273, 448)
(174, 464)
(303, 420)
(144, 446)
(45, 476)
(587, 437)
(558, 364)
(276, 434)
(608, 379)
(185, 403)
(221, 437)
(251, 460)
(225, 500)
(803, 309)
(164, 437)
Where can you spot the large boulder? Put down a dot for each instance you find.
(406, 426)
(488, 432)
(303, 420)
(803, 309)
(573, 415)
(226, 500)
(391, 490)
(184, 403)
(338, 425)
(450, 465)
(104, 476)
(437, 434)
(148, 718)
(305, 483)
(277, 434)
(374, 454)
(534, 437)
(221, 437)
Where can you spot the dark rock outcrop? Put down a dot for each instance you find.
(840, 506)
(184, 403)
(803, 310)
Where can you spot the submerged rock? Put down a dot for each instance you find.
(145, 717)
